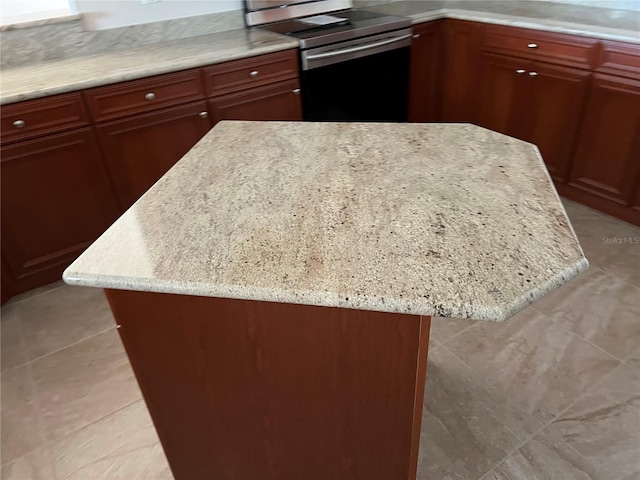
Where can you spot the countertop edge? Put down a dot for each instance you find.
(547, 25)
(496, 313)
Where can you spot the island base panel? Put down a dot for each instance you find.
(242, 389)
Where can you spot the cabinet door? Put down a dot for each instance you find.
(461, 67)
(503, 95)
(424, 80)
(280, 101)
(558, 97)
(56, 200)
(607, 158)
(140, 149)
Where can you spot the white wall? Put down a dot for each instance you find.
(103, 14)
(15, 11)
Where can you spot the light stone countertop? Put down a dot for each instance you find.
(595, 22)
(452, 220)
(60, 76)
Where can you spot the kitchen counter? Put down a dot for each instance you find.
(596, 22)
(59, 76)
(450, 220)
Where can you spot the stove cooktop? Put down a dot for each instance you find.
(356, 24)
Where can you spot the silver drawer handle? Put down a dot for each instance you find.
(254, 73)
(520, 71)
(19, 123)
(533, 74)
(296, 91)
(532, 45)
(203, 114)
(417, 35)
(150, 96)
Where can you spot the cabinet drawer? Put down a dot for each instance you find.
(620, 59)
(251, 72)
(145, 95)
(34, 118)
(550, 47)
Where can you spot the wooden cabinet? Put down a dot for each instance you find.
(502, 95)
(56, 200)
(142, 148)
(62, 186)
(280, 101)
(556, 98)
(607, 160)
(263, 88)
(424, 80)
(462, 43)
(537, 102)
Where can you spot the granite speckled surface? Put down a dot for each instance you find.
(59, 76)
(123, 57)
(450, 220)
(605, 23)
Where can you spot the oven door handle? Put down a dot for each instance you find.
(359, 48)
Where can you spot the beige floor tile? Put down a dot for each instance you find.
(603, 240)
(545, 457)
(599, 307)
(12, 350)
(604, 425)
(21, 425)
(35, 292)
(443, 329)
(123, 445)
(60, 317)
(83, 383)
(533, 361)
(35, 465)
(467, 427)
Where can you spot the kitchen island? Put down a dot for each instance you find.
(274, 289)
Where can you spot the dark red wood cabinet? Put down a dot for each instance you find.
(537, 102)
(142, 148)
(425, 76)
(56, 199)
(461, 70)
(280, 101)
(606, 166)
(72, 163)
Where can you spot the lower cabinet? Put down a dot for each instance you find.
(279, 101)
(606, 167)
(462, 43)
(56, 200)
(424, 78)
(140, 149)
(537, 102)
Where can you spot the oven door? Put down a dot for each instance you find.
(365, 79)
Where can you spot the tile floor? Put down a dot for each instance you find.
(554, 393)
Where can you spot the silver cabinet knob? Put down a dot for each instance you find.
(417, 35)
(203, 114)
(520, 71)
(533, 74)
(150, 96)
(532, 45)
(19, 123)
(253, 73)
(296, 91)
